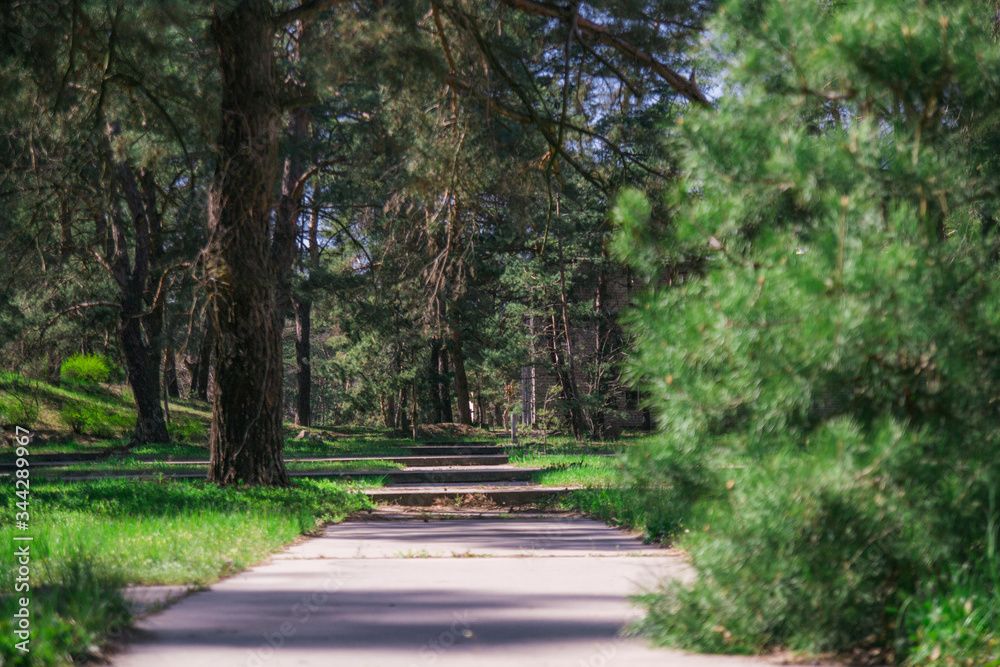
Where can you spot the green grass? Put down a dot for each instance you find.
(355, 445)
(168, 451)
(90, 538)
(611, 492)
(567, 446)
(113, 400)
(566, 470)
(140, 467)
(378, 444)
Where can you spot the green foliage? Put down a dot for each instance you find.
(184, 428)
(85, 370)
(19, 402)
(822, 323)
(95, 420)
(819, 550)
(17, 410)
(648, 487)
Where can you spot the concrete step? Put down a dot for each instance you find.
(460, 475)
(429, 475)
(408, 461)
(439, 443)
(441, 494)
(421, 461)
(9, 460)
(453, 450)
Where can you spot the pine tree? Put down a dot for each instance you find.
(822, 312)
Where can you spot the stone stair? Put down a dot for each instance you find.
(475, 488)
(435, 474)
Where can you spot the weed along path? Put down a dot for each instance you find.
(418, 589)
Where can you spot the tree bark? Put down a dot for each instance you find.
(481, 415)
(284, 248)
(246, 438)
(303, 329)
(143, 375)
(435, 366)
(303, 398)
(170, 373)
(286, 219)
(461, 380)
(414, 410)
(440, 392)
(444, 388)
(199, 377)
(389, 412)
(571, 392)
(569, 396)
(138, 331)
(402, 418)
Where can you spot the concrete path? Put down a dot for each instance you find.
(537, 592)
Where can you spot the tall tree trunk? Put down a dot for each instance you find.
(577, 422)
(571, 392)
(601, 422)
(435, 366)
(246, 439)
(143, 375)
(389, 411)
(138, 331)
(461, 380)
(303, 329)
(286, 218)
(414, 409)
(303, 398)
(402, 418)
(170, 373)
(481, 415)
(444, 387)
(284, 247)
(203, 367)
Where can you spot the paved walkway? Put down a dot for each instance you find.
(414, 593)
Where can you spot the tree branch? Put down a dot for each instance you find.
(304, 10)
(683, 86)
(464, 87)
(71, 309)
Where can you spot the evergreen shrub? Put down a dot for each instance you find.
(822, 330)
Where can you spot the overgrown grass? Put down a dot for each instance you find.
(91, 538)
(566, 470)
(959, 623)
(96, 420)
(380, 444)
(169, 451)
(570, 447)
